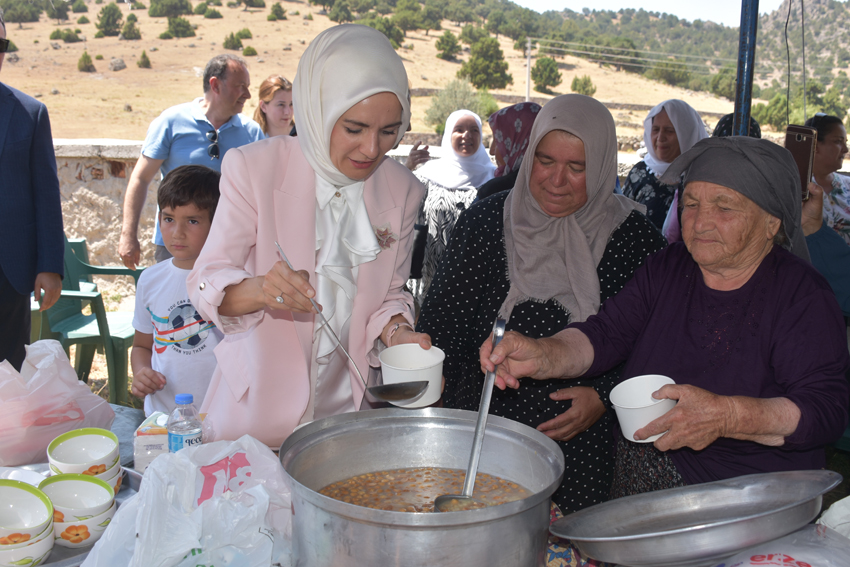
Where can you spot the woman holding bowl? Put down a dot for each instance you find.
(544, 255)
(343, 215)
(735, 314)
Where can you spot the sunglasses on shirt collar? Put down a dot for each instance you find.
(213, 149)
(4, 45)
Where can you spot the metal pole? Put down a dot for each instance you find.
(528, 69)
(746, 63)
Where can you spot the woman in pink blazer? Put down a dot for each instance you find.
(344, 216)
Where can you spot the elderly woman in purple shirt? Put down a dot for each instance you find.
(735, 314)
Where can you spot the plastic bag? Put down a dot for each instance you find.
(810, 546)
(42, 402)
(225, 503)
(838, 517)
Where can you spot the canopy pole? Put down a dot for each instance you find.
(746, 64)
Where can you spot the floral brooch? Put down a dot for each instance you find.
(385, 235)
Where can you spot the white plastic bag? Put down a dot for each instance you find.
(42, 402)
(810, 546)
(838, 517)
(224, 504)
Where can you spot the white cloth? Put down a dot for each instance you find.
(687, 123)
(454, 171)
(183, 342)
(342, 66)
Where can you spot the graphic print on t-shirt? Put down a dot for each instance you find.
(183, 328)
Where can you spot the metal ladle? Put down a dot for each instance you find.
(401, 392)
(465, 500)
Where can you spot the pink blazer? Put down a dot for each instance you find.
(261, 385)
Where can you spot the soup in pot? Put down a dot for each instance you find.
(414, 490)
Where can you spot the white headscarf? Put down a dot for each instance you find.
(687, 123)
(342, 66)
(454, 171)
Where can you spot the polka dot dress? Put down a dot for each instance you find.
(465, 296)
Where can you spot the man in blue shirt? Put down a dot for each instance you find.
(199, 132)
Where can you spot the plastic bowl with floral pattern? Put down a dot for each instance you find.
(82, 533)
(24, 512)
(89, 451)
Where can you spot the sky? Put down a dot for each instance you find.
(726, 12)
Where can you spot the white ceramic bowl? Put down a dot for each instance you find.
(110, 473)
(77, 496)
(24, 512)
(90, 451)
(115, 481)
(82, 533)
(39, 537)
(636, 408)
(411, 363)
(30, 555)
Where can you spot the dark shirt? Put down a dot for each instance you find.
(469, 288)
(643, 187)
(780, 335)
(497, 185)
(831, 256)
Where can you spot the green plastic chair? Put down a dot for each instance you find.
(112, 332)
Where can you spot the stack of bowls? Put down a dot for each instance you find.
(26, 524)
(90, 451)
(83, 507)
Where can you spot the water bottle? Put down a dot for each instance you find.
(184, 425)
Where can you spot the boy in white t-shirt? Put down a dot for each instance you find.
(173, 346)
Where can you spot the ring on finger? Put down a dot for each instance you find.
(280, 299)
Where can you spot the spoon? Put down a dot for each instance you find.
(465, 501)
(401, 392)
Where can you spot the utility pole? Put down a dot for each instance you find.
(528, 69)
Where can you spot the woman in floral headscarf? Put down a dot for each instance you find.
(511, 127)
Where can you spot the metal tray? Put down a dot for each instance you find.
(700, 524)
(64, 557)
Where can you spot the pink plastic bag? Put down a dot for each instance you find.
(43, 401)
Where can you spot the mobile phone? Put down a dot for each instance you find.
(802, 141)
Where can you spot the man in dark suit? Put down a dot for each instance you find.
(32, 241)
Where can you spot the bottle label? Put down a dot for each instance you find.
(177, 441)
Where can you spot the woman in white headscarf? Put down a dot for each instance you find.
(344, 217)
(670, 129)
(452, 183)
(544, 255)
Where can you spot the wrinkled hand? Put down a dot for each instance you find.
(47, 288)
(404, 335)
(813, 210)
(586, 410)
(147, 381)
(417, 156)
(129, 250)
(699, 419)
(516, 356)
(293, 287)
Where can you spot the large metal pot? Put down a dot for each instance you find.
(327, 532)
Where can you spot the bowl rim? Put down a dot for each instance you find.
(35, 492)
(77, 477)
(79, 433)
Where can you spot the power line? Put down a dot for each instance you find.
(618, 60)
(701, 57)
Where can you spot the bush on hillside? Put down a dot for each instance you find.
(79, 6)
(277, 12)
(144, 62)
(109, 19)
(180, 27)
(249, 51)
(583, 85)
(200, 9)
(169, 8)
(447, 46)
(85, 64)
(545, 74)
(232, 42)
(131, 32)
(83, 20)
(487, 67)
(244, 33)
(212, 14)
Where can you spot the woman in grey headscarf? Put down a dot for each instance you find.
(545, 254)
(735, 314)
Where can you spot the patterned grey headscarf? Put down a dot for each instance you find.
(760, 170)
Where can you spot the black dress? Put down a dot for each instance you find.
(644, 187)
(470, 286)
